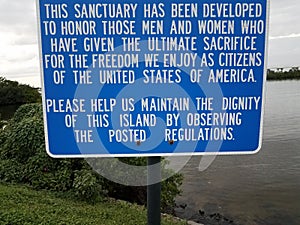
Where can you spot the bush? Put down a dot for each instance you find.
(87, 186)
(11, 171)
(28, 111)
(170, 190)
(43, 172)
(23, 159)
(23, 154)
(138, 194)
(25, 138)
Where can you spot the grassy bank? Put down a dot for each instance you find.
(24, 206)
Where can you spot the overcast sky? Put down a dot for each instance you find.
(19, 52)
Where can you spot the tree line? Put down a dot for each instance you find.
(280, 74)
(11, 92)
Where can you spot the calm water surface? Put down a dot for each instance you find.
(261, 189)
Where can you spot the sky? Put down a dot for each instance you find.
(19, 50)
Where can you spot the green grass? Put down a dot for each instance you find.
(24, 206)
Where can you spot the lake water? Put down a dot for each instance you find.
(261, 189)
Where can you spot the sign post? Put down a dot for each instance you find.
(151, 79)
(154, 190)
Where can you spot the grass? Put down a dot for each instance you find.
(24, 206)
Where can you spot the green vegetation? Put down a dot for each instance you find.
(21, 205)
(11, 92)
(170, 187)
(292, 74)
(2, 122)
(23, 159)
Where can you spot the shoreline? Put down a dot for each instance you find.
(200, 217)
(280, 74)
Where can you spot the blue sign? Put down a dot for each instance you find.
(140, 78)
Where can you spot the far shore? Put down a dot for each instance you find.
(280, 74)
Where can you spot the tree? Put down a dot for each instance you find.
(11, 92)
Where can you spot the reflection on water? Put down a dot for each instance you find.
(261, 189)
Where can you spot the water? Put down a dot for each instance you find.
(261, 189)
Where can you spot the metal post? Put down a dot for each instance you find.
(154, 190)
